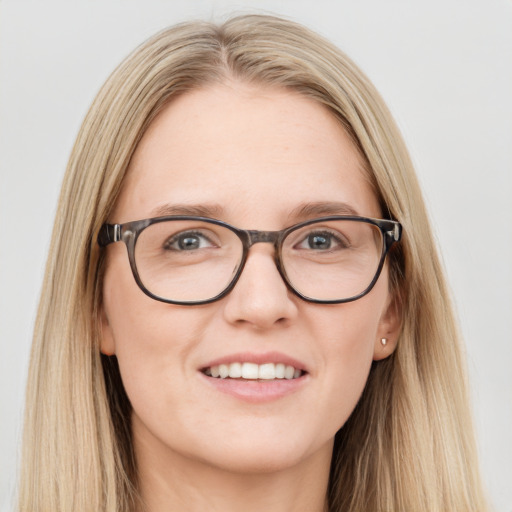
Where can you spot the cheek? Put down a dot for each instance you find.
(348, 340)
(151, 339)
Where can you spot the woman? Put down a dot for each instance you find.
(231, 317)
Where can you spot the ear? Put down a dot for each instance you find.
(389, 329)
(107, 344)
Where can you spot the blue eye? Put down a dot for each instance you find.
(322, 241)
(319, 241)
(188, 241)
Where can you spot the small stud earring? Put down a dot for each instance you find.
(383, 341)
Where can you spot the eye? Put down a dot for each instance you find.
(188, 241)
(323, 241)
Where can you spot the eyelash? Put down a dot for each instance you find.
(175, 239)
(340, 241)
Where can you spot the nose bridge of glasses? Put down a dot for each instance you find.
(257, 237)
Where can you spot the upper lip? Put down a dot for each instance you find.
(257, 358)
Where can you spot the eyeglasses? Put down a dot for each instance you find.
(196, 260)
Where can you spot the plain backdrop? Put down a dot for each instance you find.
(445, 69)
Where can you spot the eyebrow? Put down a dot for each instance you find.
(196, 210)
(303, 211)
(321, 208)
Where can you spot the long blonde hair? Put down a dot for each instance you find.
(409, 444)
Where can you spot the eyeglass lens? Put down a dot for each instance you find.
(193, 260)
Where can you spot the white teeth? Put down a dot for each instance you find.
(235, 370)
(252, 371)
(249, 371)
(288, 372)
(267, 371)
(223, 371)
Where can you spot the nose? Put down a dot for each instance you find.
(260, 298)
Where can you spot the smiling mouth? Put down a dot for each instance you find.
(253, 371)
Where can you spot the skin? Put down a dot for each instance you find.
(240, 147)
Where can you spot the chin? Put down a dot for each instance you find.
(260, 461)
(263, 455)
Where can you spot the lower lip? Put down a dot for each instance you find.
(257, 391)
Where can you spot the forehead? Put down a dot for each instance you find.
(251, 151)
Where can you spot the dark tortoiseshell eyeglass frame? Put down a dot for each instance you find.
(129, 233)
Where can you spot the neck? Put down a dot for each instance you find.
(171, 481)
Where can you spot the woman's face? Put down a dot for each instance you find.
(253, 157)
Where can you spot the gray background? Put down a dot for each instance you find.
(445, 69)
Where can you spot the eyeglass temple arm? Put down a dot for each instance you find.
(108, 234)
(394, 235)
